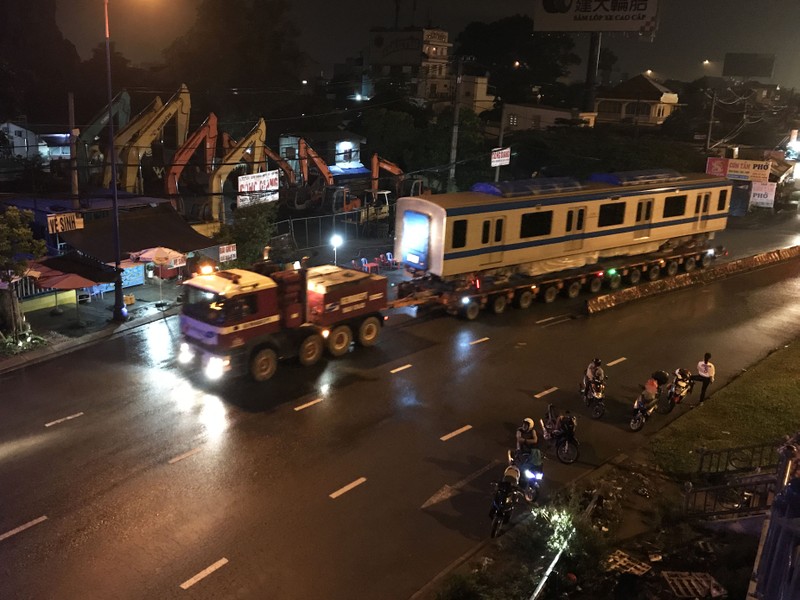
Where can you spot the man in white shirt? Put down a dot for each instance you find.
(705, 374)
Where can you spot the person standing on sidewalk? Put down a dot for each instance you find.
(705, 374)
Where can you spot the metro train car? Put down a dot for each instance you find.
(545, 225)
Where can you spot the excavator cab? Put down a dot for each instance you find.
(339, 198)
(376, 206)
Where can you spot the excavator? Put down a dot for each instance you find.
(127, 133)
(324, 192)
(208, 133)
(177, 107)
(89, 155)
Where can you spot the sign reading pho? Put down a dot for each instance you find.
(227, 253)
(501, 157)
(763, 195)
(596, 15)
(257, 188)
(741, 170)
(64, 222)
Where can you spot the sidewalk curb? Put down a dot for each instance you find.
(45, 353)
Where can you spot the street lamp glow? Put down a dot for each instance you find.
(649, 72)
(336, 242)
(706, 62)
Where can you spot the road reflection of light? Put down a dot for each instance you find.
(160, 343)
(184, 395)
(14, 448)
(213, 416)
(461, 344)
(324, 389)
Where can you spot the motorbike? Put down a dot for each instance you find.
(679, 387)
(529, 464)
(506, 497)
(593, 394)
(643, 407)
(563, 438)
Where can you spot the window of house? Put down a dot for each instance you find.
(433, 89)
(512, 119)
(675, 206)
(536, 224)
(612, 213)
(459, 233)
(723, 200)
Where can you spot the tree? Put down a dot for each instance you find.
(16, 243)
(251, 230)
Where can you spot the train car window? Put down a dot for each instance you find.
(459, 233)
(723, 200)
(706, 200)
(674, 206)
(639, 211)
(697, 205)
(611, 214)
(569, 220)
(485, 232)
(498, 230)
(579, 224)
(536, 224)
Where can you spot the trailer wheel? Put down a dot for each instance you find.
(523, 299)
(574, 289)
(689, 264)
(705, 260)
(498, 304)
(311, 350)
(672, 268)
(339, 340)
(550, 293)
(654, 272)
(614, 281)
(595, 284)
(634, 276)
(471, 311)
(368, 332)
(263, 364)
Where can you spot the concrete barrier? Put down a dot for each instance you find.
(700, 276)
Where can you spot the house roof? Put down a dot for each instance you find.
(640, 88)
(326, 136)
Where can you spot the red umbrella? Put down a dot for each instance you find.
(66, 281)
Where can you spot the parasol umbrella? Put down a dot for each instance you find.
(67, 281)
(161, 256)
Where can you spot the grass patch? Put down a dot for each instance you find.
(759, 406)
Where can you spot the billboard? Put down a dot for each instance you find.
(742, 170)
(501, 157)
(748, 65)
(595, 15)
(257, 188)
(763, 195)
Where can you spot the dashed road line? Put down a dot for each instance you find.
(616, 362)
(540, 321)
(565, 320)
(307, 404)
(347, 488)
(175, 459)
(484, 339)
(204, 573)
(544, 393)
(56, 422)
(403, 368)
(453, 434)
(8, 534)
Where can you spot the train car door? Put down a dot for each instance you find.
(644, 217)
(492, 235)
(702, 206)
(574, 229)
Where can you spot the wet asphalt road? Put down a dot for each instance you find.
(133, 479)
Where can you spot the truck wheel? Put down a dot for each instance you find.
(614, 281)
(574, 289)
(595, 284)
(471, 311)
(368, 332)
(311, 350)
(634, 276)
(523, 299)
(263, 364)
(689, 264)
(550, 293)
(705, 260)
(672, 268)
(498, 304)
(654, 272)
(339, 340)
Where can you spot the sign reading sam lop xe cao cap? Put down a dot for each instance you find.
(595, 15)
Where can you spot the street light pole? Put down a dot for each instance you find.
(120, 313)
(451, 179)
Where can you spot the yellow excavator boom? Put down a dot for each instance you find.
(123, 137)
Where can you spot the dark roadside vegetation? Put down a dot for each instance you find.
(642, 510)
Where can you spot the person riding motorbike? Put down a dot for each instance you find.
(648, 399)
(593, 372)
(527, 439)
(565, 423)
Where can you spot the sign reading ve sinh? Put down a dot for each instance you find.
(64, 222)
(596, 15)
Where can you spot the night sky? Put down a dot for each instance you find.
(331, 30)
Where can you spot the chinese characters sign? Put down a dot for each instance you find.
(596, 15)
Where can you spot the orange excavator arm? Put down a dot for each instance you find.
(207, 133)
(379, 163)
(253, 141)
(178, 107)
(291, 178)
(124, 136)
(306, 153)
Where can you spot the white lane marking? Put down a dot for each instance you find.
(347, 488)
(550, 319)
(175, 459)
(453, 434)
(448, 491)
(403, 368)
(8, 534)
(56, 422)
(204, 573)
(568, 319)
(616, 362)
(307, 404)
(544, 393)
(485, 339)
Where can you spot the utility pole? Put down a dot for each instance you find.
(500, 137)
(591, 71)
(711, 121)
(73, 152)
(451, 180)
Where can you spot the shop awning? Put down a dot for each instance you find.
(138, 230)
(74, 263)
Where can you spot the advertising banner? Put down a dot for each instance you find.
(501, 157)
(257, 188)
(64, 222)
(595, 15)
(227, 253)
(741, 170)
(763, 195)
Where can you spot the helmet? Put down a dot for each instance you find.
(527, 424)
(597, 362)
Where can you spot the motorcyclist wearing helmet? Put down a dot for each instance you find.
(527, 439)
(565, 423)
(593, 372)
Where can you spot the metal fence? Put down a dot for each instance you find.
(739, 460)
(316, 231)
(26, 288)
(740, 498)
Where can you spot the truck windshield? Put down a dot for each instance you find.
(204, 306)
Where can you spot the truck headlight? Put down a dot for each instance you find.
(215, 367)
(185, 354)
